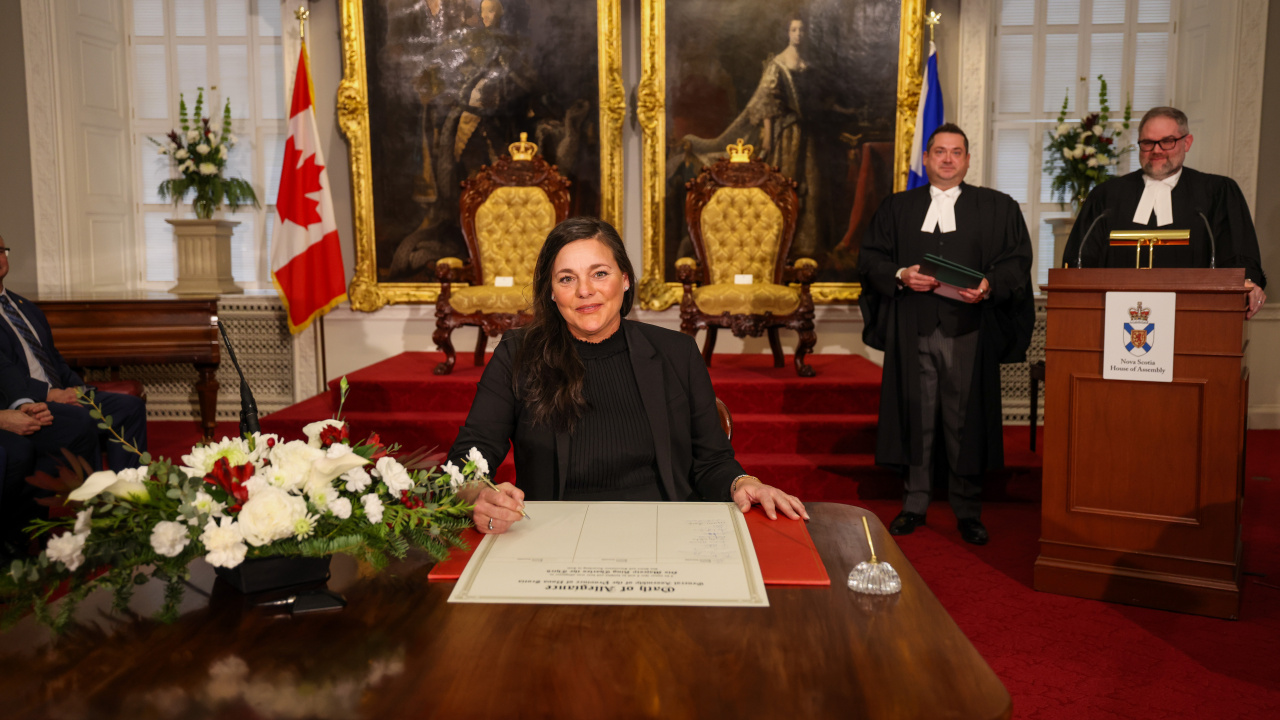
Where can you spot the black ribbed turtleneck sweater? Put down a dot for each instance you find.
(611, 454)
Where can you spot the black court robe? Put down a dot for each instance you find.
(991, 231)
(1218, 197)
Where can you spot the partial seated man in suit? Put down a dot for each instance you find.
(1166, 194)
(32, 372)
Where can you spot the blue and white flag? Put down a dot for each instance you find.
(928, 117)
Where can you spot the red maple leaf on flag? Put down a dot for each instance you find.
(296, 183)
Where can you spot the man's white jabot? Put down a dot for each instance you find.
(942, 210)
(1157, 197)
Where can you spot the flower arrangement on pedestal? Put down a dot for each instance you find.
(1082, 155)
(253, 497)
(200, 155)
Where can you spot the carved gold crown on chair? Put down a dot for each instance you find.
(523, 150)
(739, 152)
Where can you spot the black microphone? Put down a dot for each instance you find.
(1087, 233)
(248, 408)
(1213, 246)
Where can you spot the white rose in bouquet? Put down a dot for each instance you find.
(341, 508)
(372, 507)
(169, 538)
(202, 148)
(482, 465)
(68, 549)
(393, 474)
(269, 515)
(224, 542)
(207, 168)
(357, 480)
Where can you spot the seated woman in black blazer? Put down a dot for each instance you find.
(597, 407)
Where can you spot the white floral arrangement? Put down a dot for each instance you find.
(235, 499)
(1080, 156)
(198, 154)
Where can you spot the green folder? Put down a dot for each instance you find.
(953, 276)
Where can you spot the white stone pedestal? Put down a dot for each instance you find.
(1061, 233)
(203, 257)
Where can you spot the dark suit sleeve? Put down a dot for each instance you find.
(491, 423)
(714, 465)
(1233, 230)
(878, 258)
(16, 383)
(67, 377)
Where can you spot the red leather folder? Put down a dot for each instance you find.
(452, 568)
(785, 551)
(783, 547)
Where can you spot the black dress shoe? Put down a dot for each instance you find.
(906, 523)
(973, 531)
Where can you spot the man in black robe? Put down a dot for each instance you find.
(1166, 194)
(942, 355)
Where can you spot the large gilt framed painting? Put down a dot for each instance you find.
(434, 89)
(826, 90)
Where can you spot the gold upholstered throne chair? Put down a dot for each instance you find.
(506, 212)
(742, 218)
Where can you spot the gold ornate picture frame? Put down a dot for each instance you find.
(715, 57)
(485, 42)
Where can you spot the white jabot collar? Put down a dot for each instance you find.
(942, 210)
(1157, 197)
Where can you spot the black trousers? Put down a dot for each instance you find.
(946, 375)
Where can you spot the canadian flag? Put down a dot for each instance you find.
(306, 257)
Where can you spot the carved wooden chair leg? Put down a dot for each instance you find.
(482, 342)
(443, 341)
(775, 344)
(710, 345)
(808, 338)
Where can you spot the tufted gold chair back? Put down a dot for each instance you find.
(742, 218)
(741, 234)
(506, 210)
(511, 225)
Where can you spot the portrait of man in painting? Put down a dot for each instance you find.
(451, 84)
(812, 85)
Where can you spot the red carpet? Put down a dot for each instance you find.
(1059, 657)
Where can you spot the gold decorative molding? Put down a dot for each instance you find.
(366, 293)
(910, 79)
(655, 293)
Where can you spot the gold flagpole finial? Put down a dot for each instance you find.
(302, 13)
(933, 18)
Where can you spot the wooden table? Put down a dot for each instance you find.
(140, 328)
(401, 650)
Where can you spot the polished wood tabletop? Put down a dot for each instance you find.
(400, 650)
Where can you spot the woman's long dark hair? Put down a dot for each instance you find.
(549, 375)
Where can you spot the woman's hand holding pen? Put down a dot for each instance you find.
(497, 509)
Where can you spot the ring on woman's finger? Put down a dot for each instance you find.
(490, 523)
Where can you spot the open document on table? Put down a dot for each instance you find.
(618, 553)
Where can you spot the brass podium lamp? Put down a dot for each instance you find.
(1149, 238)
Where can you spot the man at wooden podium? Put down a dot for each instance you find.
(942, 352)
(1165, 194)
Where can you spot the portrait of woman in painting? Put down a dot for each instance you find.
(820, 102)
(452, 83)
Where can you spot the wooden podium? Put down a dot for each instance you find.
(1143, 480)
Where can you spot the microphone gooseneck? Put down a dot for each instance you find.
(1213, 246)
(1085, 239)
(248, 408)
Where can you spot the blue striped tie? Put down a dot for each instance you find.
(20, 325)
